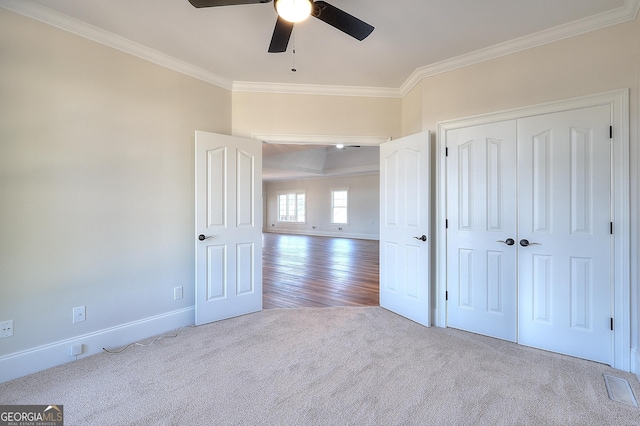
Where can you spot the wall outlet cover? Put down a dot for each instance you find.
(75, 349)
(6, 329)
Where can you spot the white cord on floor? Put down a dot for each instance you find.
(166, 336)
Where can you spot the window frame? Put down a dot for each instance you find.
(287, 193)
(333, 207)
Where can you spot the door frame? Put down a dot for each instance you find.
(618, 100)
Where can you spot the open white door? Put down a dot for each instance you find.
(404, 227)
(228, 227)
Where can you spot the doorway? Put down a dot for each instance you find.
(315, 262)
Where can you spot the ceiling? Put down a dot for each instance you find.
(298, 161)
(227, 46)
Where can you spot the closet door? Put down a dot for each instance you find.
(481, 233)
(564, 241)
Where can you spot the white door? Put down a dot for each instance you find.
(545, 183)
(481, 232)
(404, 227)
(564, 175)
(228, 227)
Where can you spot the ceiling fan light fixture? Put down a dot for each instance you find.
(293, 10)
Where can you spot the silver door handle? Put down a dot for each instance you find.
(202, 237)
(526, 243)
(508, 241)
(423, 238)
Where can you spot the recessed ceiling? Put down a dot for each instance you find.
(231, 42)
(299, 161)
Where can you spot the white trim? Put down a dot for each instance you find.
(625, 13)
(635, 362)
(619, 102)
(288, 192)
(314, 89)
(348, 206)
(315, 233)
(57, 353)
(343, 173)
(276, 138)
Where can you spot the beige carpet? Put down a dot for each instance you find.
(327, 366)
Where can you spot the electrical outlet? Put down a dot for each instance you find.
(76, 349)
(177, 293)
(79, 314)
(6, 329)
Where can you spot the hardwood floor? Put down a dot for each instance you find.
(305, 271)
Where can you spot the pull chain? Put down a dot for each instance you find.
(293, 56)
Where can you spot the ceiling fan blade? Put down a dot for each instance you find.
(281, 35)
(341, 20)
(214, 3)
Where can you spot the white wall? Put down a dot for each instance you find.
(96, 188)
(272, 113)
(364, 210)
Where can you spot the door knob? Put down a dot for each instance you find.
(423, 238)
(526, 243)
(202, 237)
(508, 241)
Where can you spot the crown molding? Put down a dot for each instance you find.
(75, 26)
(625, 13)
(285, 138)
(314, 89)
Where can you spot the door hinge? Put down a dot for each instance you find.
(611, 324)
(446, 295)
(446, 151)
(610, 132)
(611, 228)
(446, 223)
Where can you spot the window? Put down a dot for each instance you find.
(291, 206)
(339, 206)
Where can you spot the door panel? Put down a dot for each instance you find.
(481, 205)
(404, 218)
(228, 212)
(564, 174)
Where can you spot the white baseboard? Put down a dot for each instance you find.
(41, 358)
(338, 234)
(635, 362)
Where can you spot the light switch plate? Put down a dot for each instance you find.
(79, 314)
(177, 293)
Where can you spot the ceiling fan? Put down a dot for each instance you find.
(292, 11)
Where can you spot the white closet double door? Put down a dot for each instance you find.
(528, 238)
